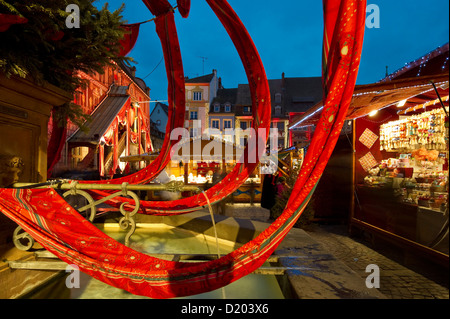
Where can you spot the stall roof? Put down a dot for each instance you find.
(371, 97)
(412, 83)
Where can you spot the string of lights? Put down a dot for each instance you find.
(423, 62)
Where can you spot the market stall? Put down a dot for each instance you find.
(202, 162)
(399, 138)
(401, 176)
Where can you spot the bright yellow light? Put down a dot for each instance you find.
(373, 113)
(402, 103)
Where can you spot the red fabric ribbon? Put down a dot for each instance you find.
(62, 230)
(129, 40)
(55, 145)
(184, 6)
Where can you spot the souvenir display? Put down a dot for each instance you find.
(426, 130)
(420, 170)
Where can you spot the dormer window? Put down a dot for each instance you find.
(228, 107)
(217, 107)
(246, 109)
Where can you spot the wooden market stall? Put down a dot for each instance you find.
(399, 157)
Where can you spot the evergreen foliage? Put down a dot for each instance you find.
(45, 49)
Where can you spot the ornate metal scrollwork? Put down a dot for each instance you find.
(19, 237)
(128, 222)
(92, 204)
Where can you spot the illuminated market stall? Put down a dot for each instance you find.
(399, 155)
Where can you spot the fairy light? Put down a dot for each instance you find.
(423, 106)
(423, 63)
(306, 117)
(445, 63)
(402, 103)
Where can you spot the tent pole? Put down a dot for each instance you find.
(439, 96)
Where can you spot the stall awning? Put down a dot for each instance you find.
(371, 97)
(103, 117)
(410, 87)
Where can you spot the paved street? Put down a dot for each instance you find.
(417, 280)
(420, 280)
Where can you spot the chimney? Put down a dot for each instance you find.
(133, 71)
(220, 83)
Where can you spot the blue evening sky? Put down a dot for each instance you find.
(288, 36)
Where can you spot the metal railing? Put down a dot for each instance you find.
(72, 188)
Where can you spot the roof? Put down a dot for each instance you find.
(371, 97)
(102, 117)
(223, 97)
(433, 63)
(139, 82)
(413, 83)
(297, 94)
(201, 79)
(163, 106)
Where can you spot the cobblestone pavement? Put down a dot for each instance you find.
(418, 280)
(400, 277)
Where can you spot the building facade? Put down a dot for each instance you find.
(289, 96)
(222, 114)
(160, 116)
(200, 92)
(118, 105)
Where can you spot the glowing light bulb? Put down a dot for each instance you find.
(401, 103)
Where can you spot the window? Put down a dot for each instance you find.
(246, 109)
(244, 125)
(216, 108)
(194, 115)
(197, 96)
(158, 122)
(277, 110)
(215, 124)
(278, 98)
(226, 124)
(193, 132)
(280, 126)
(227, 108)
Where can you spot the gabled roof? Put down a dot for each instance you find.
(163, 106)
(201, 79)
(139, 82)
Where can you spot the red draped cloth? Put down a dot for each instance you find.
(261, 107)
(166, 30)
(55, 145)
(184, 6)
(64, 232)
(129, 40)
